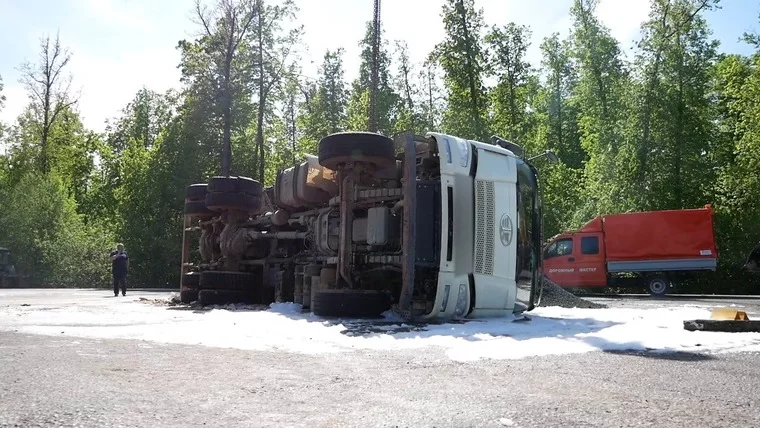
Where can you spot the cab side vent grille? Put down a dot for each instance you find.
(485, 223)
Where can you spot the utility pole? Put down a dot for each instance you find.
(375, 67)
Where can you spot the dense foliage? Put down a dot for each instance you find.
(677, 126)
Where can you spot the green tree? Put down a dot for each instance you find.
(387, 99)
(463, 61)
(674, 115)
(325, 110)
(509, 99)
(214, 62)
(601, 92)
(2, 106)
(409, 117)
(562, 113)
(432, 100)
(271, 59)
(49, 92)
(737, 189)
(50, 240)
(2, 97)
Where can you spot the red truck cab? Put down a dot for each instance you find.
(633, 249)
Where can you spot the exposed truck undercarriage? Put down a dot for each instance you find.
(370, 225)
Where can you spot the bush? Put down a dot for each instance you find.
(49, 239)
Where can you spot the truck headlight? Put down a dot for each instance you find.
(461, 307)
(464, 153)
(447, 149)
(445, 302)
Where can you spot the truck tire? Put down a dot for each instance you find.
(337, 149)
(658, 286)
(223, 297)
(188, 295)
(196, 192)
(198, 209)
(350, 303)
(245, 185)
(191, 280)
(225, 280)
(228, 201)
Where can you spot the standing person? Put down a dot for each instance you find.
(119, 268)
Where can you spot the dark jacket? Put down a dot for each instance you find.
(119, 266)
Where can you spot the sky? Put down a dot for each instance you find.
(119, 46)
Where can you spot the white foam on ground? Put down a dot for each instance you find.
(551, 330)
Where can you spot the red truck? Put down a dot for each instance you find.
(644, 249)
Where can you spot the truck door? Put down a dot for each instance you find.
(588, 260)
(558, 265)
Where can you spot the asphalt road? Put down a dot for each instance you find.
(64, 381)
(748, 304)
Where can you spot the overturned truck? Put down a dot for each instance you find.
(433, 227)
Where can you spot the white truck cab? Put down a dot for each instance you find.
(490, 249)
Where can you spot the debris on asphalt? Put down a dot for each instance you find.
(554, 295)
(161, 302)
(725, 326)
(176, 303)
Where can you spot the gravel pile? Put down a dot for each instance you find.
(554, 295)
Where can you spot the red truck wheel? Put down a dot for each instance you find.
(658, 286)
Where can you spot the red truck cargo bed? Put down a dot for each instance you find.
(678, 239)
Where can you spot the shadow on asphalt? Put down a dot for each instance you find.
(666, 355)
(195, 310)
(633, 349)
(470, 330)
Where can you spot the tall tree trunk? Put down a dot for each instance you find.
(408, 91)
(679, 126)
(46, 106)
(262, 99)
(601, 89)
(474, 104)
(227, 111)
(512, 108)
(293, 130)
(647, 125)
(652, 83)
(558, 89)
(431, 116)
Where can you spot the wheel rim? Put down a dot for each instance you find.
(658, 286)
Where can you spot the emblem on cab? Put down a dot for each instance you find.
(505, 230)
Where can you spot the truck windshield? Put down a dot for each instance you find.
(528, 236)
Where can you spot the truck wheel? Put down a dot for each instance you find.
(223, 297)
(228, 201)
(658, 286)
(195, 192)
(188, 295)
(226, 280)
(191, 280)
(338, 149)
(198, 209)
(245, 185)
(350, 303)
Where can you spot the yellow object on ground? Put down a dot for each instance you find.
(728, 314)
